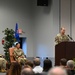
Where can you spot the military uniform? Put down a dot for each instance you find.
(19, 56)
(61, 38)
(2, 63)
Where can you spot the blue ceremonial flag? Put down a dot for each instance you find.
(17, 33)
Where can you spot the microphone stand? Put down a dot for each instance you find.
(70, 38)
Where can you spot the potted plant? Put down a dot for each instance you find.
(7, 41)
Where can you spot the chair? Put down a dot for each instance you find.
(11, 50)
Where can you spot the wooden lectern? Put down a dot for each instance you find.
(64, 50)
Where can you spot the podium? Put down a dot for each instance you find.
(64, 50)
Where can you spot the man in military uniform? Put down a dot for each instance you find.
(61, 37)
(2, 64)
(18, 54)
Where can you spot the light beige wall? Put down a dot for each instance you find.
(73, 19)
(65, 15)
(68, 16)
(41, 24)
(46, 26)
(17, 11)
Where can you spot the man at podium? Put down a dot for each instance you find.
(61, 37)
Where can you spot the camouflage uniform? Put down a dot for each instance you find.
(61, 38)
(19, 56)
(2, 63)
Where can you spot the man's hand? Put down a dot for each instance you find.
(20, 56)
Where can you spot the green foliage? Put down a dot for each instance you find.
(74, 62)
(8, 41)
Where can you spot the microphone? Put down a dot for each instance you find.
(70, 37)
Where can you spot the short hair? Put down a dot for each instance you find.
(62, 28)
(27, 71)
(70, 63)
(63, 61)
(28, 62)
(52, 72)
(36, 61)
